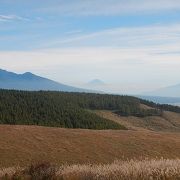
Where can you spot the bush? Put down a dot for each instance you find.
(38, 171)
(42, 171)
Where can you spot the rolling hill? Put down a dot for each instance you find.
(168, 122)
(133, 134)
(32, 82)
(22, 145)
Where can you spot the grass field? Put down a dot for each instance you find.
(164, 169)
(21, 145)
(168, 122)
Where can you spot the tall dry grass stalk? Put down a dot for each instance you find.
(9, 171)
(163, 169)
(133, 169)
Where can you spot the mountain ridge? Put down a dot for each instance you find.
(29, 81)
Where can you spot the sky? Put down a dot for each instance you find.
(131, 45)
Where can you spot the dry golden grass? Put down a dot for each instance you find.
(163, 169)
(143, 106)
(21, 145)
(169, 122)
(8, 171)
(136, 170)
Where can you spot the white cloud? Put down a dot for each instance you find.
(12, 18)
(112, 7)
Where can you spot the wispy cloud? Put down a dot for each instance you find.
(12, 18)
(111, 7)
(164, 37)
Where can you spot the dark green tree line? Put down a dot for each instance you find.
(70, 110)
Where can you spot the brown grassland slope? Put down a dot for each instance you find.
(168, 122)
(21, 145)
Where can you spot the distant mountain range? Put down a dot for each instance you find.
(32, 82)
(171, 91)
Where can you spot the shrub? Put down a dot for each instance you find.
(38, 171)
(42, 171)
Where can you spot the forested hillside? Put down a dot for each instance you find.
(69, 110)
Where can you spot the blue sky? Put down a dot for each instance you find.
(132, 45)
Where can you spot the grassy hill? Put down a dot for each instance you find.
(168, 122)
(21, 145)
